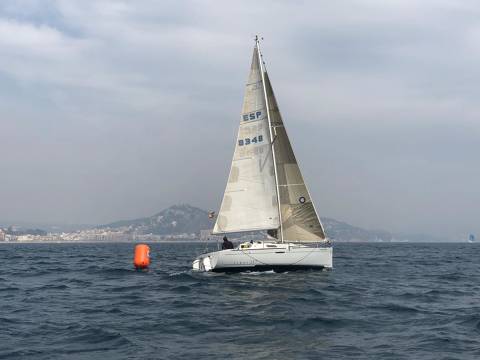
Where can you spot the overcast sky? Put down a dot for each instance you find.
(117, 109)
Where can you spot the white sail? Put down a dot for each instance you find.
(266, 191)
(299, 220)
(250, 199)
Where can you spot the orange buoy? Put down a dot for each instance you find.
(141, 260)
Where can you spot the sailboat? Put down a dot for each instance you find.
(266, 193)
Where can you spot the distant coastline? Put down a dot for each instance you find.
(184, 223)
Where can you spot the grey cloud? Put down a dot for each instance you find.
(116, 109)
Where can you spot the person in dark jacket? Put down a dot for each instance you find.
(226, 244)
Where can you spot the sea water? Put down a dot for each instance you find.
(381, 301)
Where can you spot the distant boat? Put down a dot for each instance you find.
(266, 192)
(471, 238)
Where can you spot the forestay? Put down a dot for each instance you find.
(250, 199)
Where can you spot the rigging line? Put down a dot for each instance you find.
(262, 72)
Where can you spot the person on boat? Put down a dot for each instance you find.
(226, 244)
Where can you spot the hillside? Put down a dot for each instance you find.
(341, 231)
(177, 219)
(187, 219)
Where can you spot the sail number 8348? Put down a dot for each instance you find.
(248, 141)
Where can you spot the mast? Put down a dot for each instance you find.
(272, 139)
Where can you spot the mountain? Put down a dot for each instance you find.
(177, 219)
(184, 220)
(187, 219)
(341, 231)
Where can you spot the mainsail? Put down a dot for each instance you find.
(250, 199)
(265, 189)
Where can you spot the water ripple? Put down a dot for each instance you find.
(381, 301)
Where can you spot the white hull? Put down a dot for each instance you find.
(265, 256)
